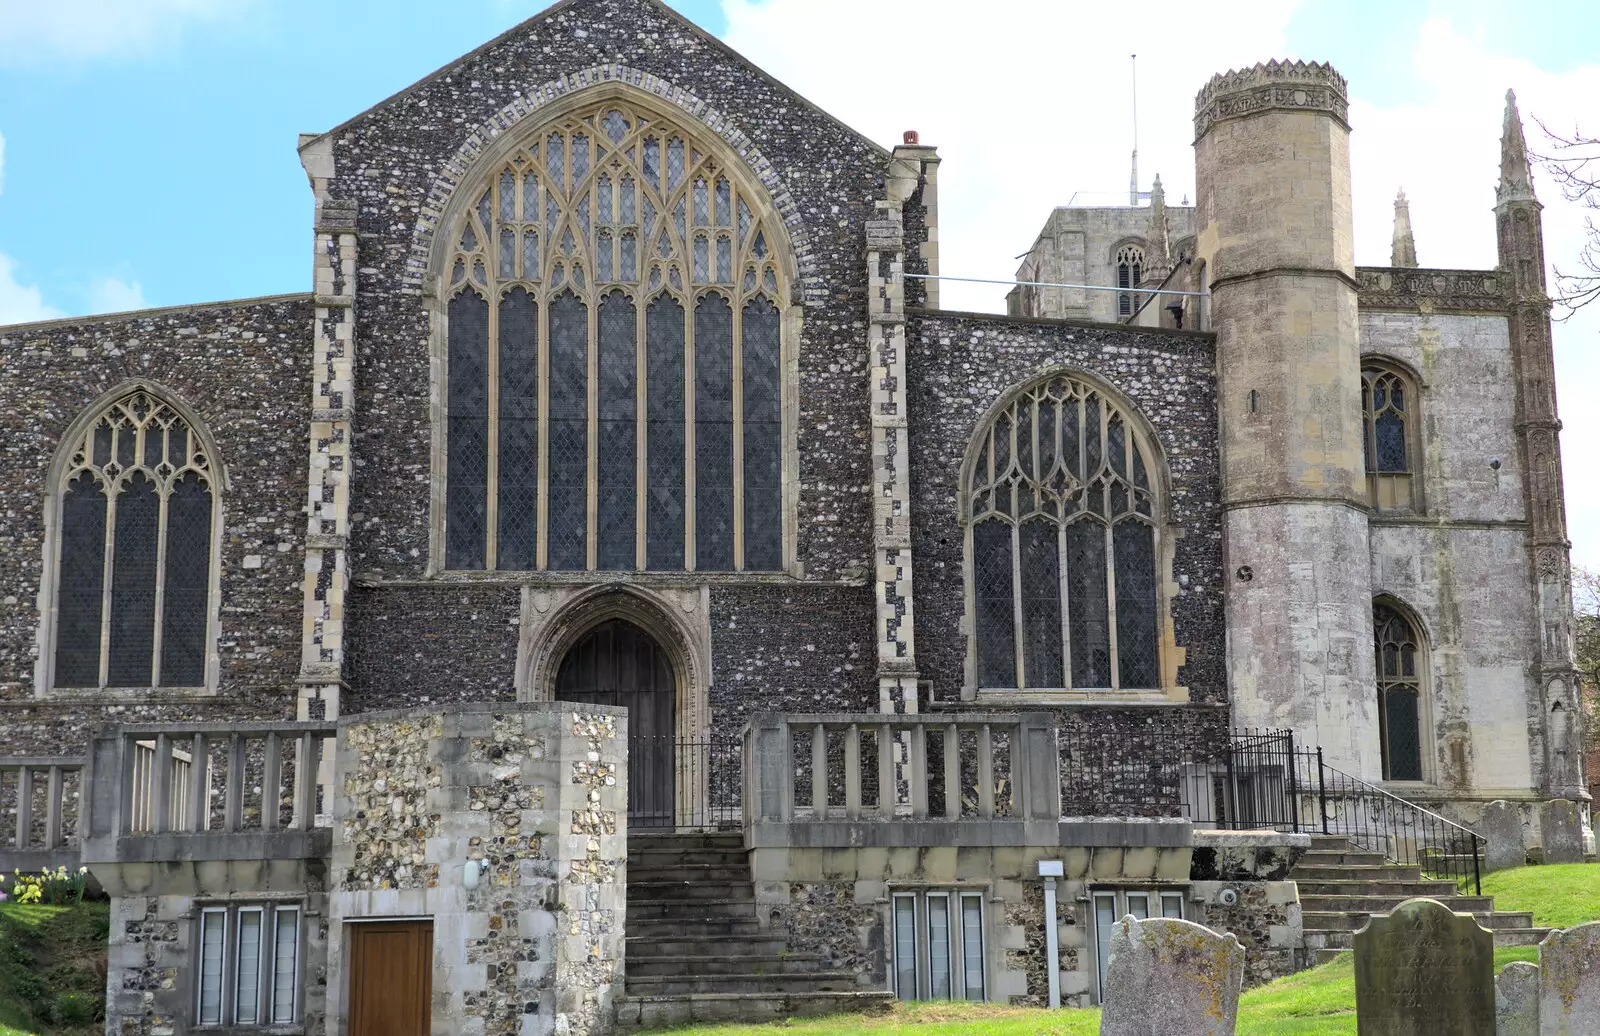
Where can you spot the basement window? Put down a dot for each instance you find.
(938, 945)
(249, 965)
(1112, 905)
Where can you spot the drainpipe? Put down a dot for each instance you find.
(1050, 870)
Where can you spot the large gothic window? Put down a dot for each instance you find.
(1400, 660)
(1389, 425)
(614, 358)
(136, 508)
(1063, 545)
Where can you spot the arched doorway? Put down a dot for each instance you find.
(617, 663)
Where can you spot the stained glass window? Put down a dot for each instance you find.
(1400, 658)
(1064, 545)
(134, 563)
(1388, 403)
(644, 233)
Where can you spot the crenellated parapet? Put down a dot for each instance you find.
(1291, 85)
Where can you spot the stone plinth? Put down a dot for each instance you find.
(1569, 987)
(1424, 970)
(1171, 978)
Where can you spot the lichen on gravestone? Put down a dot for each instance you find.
(1422, 970)
(1516, 1000)
(1169, 977)
(1569, 986)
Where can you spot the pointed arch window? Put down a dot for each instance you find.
(614, 358)
(1389, 426)
(1063, 545)
(136, 513)
(1130, 270)
(1401, 662)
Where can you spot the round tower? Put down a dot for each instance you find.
(1272, 170)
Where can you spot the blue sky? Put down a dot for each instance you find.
(147, 147)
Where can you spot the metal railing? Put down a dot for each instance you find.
(1374, 820)
(1248, 784)
(676, 784)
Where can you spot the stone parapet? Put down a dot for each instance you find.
(1292, 85)
(1414, 290)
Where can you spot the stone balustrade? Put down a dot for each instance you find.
(41, 796)
(206, 791)
(973, 779)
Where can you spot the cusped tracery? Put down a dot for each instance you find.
(614, 357)
(1064, 525)
(136, 506)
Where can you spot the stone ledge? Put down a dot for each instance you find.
(1206, 838)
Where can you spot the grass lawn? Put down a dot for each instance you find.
(1321, 1001)
(52, 968)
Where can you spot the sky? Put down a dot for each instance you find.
(147, 147)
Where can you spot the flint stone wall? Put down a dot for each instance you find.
(537, 793)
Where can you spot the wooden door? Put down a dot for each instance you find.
(617, 663)
(391, 978)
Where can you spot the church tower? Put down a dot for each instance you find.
(1555, 717)
(1272, 168)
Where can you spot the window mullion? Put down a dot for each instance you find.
(163, 496)
(105, 590)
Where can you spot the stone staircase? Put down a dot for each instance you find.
(696, 953)
(1340, 887)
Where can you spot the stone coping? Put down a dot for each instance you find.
(156, 311)
(1003, 318)
(478, 708)
(1206, 838)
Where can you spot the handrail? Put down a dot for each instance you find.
(1377, 820)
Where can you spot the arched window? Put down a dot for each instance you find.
(1063, 545)
(136, 506)
(1130, 270)
(613, 358)
(1400, 660)
(1388, 416)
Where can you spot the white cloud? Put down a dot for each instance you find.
(1026, 107)
(32, 31)
(114, 295)
(20, 303)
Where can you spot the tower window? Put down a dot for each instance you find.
(1389, 428)
(1130, 270)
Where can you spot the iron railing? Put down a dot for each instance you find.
(1373, 820)
(675, 783)
(1249, 783)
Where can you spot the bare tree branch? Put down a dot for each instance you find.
(1574, 164)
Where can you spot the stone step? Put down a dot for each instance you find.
(742, 982)
(1328, 944)
(699, 841)
(1349, 921)
(720, 873)
(703, 964)
(1329, 843)
(648, 857)
(1350, 857)
(635, 1013)
(689, 927)
(1408, 889)
(1354, 872)
(1384, 904)
(723, 905)
(649, 891)
(671, 943)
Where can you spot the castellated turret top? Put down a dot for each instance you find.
(1291, 85)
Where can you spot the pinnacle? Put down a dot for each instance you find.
(1516, 182)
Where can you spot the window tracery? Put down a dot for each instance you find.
(1388, 405)
(1130, 270)
(1063, 545)
(1400, 662)
(136, 507)
(614, 358)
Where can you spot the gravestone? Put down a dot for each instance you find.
(1516, 1000)
(1171, 978)
(1423, 970)
(1560, 823)
(1501, 826)
(1569, 986)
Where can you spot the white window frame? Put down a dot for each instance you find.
(1154, 901)
(230, 1012)
(921, 967)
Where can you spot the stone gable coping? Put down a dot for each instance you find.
(1286, 85)
(459, 167)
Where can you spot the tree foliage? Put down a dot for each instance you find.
(1574, 163)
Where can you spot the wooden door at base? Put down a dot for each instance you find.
(391, 978)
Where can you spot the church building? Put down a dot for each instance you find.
(617, 593)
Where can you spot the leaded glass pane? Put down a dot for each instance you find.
(724, 213)
(1134, 544)
(625, 202)
(518, 492)
(664, 335)
(133, 582)
(702, 203)
(126, 441)
(101, 449)
(1089, 635)
(1391, 435)
(763, 438)
(675, 163)
(652, 162)
(1404, 735)
(702, 259)
(530, 198)
(580, 158)
(724, 261)
(508, 253)
(992, 597)
(1116, 446)
(508, 196)
(80, 592)
(555, 161)
(617, 475)
(568, 507)
(152, 447)
(602, 258)
(467, 465)
(187, 584)
(603, 199)
(1091, 437)
(616, 126)
(630, 257)
(713, 433)
(1041, 603)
